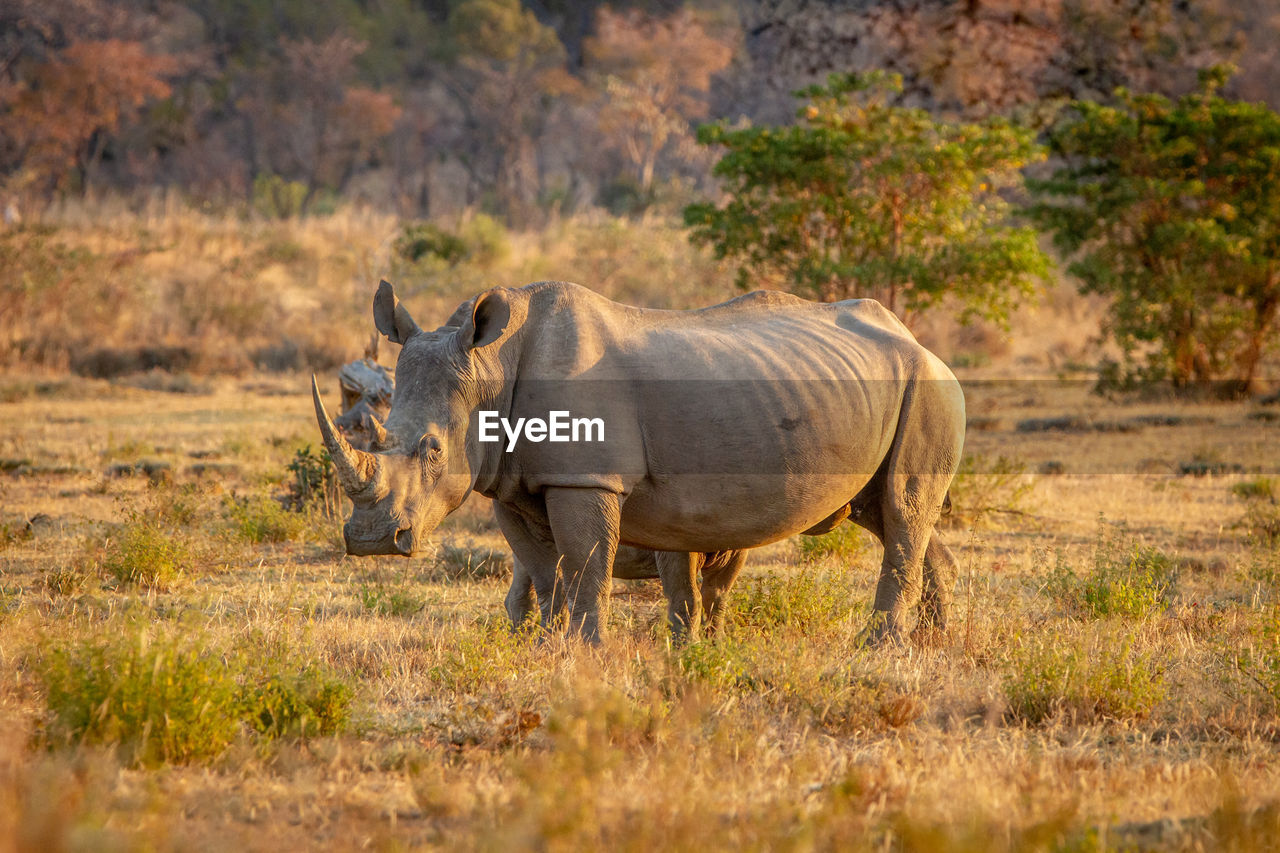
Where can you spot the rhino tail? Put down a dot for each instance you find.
(946, 504)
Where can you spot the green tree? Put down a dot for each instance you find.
(864, 198)
(1174, 210)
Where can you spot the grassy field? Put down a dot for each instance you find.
(187, 664)
(1111, 680)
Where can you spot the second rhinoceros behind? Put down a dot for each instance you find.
(725, 429)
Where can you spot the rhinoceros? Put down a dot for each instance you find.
(724, 428)
(367, 388)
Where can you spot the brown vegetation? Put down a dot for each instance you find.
(1104, 685)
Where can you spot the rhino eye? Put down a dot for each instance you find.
(431, 450)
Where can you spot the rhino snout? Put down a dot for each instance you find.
(399, 542)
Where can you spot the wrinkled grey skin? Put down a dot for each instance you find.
(857, 421)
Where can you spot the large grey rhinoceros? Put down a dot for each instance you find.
(724, 428)
(367, 388)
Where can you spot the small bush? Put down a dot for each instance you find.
(1261, 519)
(259, 519)
(13, 531)
(421, 240)
(1127, 579)
(1081, 679)
(719, 663)
(486, 238)
(313, 483)
(1263, 488)
(385, 601)
(1205, 463)
(160, 699)
(472, 562)
(69, 579)
(806, 599)
(277, 198)
(311, 702)
(145, 552)
(485, 657)
(843, 544)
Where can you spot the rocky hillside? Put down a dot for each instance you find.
(982, 56)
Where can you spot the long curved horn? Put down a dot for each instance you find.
(356, 468)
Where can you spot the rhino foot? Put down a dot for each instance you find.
(881, 630)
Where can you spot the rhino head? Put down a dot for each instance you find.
(422, 465)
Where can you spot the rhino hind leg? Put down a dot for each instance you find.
(940, 572)
(719, 571)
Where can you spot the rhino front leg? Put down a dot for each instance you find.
(585, 525)
(533, 566)
(719, 572)
(679, 573)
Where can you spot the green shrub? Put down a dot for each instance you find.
(311, 702)
(277, 198)
(13, 531)
(806, 599)
(844, 544)
(721, 662)
(486, 239)
(172, 699)
(145, 552)
(69, 579)
(386, 601)
(1261, 519)
(1127, 579)
(486, 656)
(1256, 660)
(1258, 487)
(419, 240)
(259, 519)
(1082, 679)
(313, 482)
(159, 699)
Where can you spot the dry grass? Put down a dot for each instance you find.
(1043, 721)
(110, 291)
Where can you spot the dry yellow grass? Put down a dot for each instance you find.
(780, 735)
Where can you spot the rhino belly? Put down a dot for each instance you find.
(719, 513)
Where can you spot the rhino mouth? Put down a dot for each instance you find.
(404, 541)
(401, 543)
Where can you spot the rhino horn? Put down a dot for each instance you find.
(377, 431)
(356, 468)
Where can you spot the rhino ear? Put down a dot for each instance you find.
(489, 318)
(392, 318)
